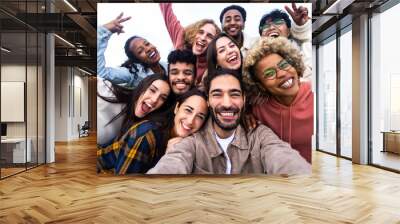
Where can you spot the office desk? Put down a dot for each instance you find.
(391, 141)
(13, 150)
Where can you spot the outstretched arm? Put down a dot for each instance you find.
(174, 27)
(178, 159)
(278, 157)
(115, 75)
(301, 31)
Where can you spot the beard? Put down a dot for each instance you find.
(188, 83)
(236, 35)
(180, 91)
(221, 124)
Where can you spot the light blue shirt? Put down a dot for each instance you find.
(118, 75)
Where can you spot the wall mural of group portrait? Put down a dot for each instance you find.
(221, 88)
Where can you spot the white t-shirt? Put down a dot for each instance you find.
(223, 144)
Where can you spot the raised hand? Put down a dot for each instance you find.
(299, 15)
(115, 25)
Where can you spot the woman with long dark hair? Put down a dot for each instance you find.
(138, 143)
(143, 137)
(223, 53)
(190, 113)
(143, 57)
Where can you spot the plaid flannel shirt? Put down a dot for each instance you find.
(138, 150)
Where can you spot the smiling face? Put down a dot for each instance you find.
(228, 54)
(202, 38)
(285, 85)
(233, 23)
(226, 101)
(275, 28)
(152, 99)
(190, 115)
(144, 51)
(181, 77)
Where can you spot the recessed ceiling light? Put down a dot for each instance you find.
(84, 71)
(5, 50)
(64, 40)
(337, 7)
(70, 5)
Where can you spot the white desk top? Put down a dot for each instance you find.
(13, 140)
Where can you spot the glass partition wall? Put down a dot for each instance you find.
(385, 90)
(22, 77)
(346, 92)
(326, 115)
(334, 94)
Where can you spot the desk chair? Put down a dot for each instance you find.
(84, 130)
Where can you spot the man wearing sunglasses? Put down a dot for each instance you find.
(278, 24)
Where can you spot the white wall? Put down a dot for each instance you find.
(70, 83)
(61, 103)
(82, 83)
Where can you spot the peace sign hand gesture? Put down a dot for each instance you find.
(299, 15)
(115, 25)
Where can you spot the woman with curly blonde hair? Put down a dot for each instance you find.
(272, 71)
(194, 37)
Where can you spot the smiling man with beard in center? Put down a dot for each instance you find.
(224, 146)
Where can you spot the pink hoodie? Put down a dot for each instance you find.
(293, 124)
(177, 34)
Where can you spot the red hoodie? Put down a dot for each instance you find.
(177, 34)
(293, 124)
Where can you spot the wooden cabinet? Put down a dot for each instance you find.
(391, 141)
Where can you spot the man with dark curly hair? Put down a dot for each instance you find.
(233, 20)
(181, 71)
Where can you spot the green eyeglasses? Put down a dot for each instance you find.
(270, 73)
(276, 22)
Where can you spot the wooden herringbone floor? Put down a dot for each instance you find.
(69, 191)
